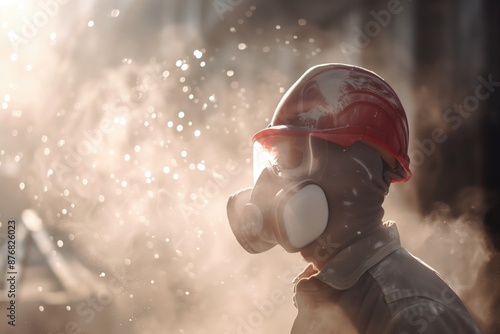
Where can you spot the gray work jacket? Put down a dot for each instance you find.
(377, 287)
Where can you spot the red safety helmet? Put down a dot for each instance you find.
(344, 104)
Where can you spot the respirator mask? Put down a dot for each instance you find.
(285, 206)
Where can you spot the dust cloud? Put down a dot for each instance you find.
(458, 248)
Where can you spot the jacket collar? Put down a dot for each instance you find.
(346, 268)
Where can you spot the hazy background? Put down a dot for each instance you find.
(125, 125)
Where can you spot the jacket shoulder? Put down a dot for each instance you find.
(401, 275)
(418, 298)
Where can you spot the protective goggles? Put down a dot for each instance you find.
(290, 154)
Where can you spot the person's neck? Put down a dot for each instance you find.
(361, 218)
